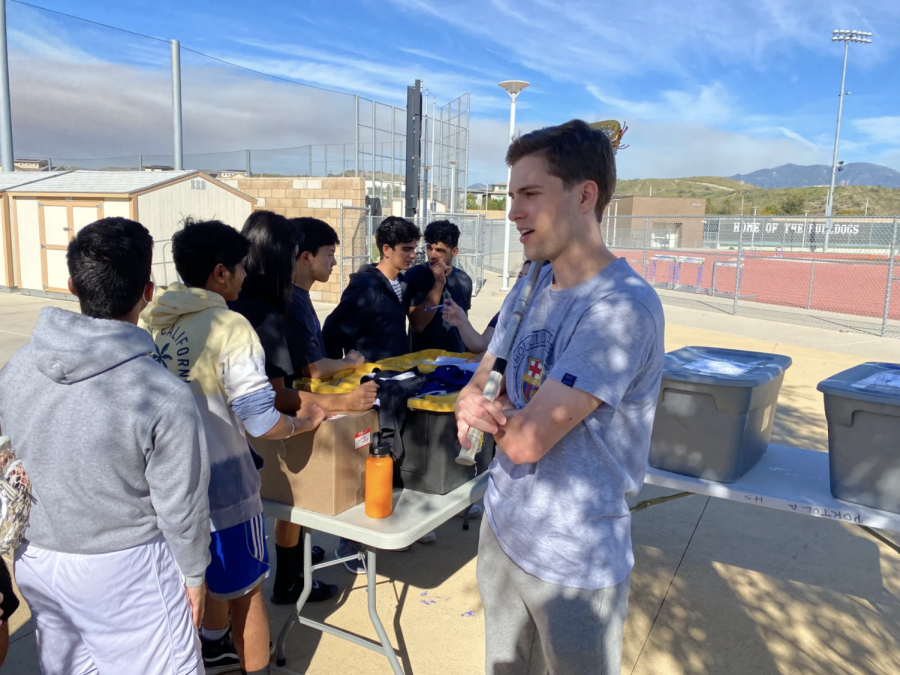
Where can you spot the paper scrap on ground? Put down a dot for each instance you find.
(715, 367)
(880, 380)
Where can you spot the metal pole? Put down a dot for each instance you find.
(433, 110)
(140, 162)
(512, 131)
(646, 246)
(374, 137)
(890, 280)
(615, 221)
(829, 205)
(356, 141)
(249, 172)
(310, 160)
(176, 105)
(468, 121)
(737, 269)
(6, 138)
(454, 177)
(812, 275)
(393, 156)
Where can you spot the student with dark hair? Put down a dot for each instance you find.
(438, 283)
(264, 301)
(371, 316)
(318, 242)
(315, 263)
(216, 350)
(573, 428)
(116, 453)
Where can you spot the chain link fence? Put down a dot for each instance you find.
(778, 268)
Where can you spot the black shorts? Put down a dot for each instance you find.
(10, 602)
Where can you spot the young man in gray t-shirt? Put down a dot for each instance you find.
(573, 426)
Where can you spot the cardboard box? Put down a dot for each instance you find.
(323, 471)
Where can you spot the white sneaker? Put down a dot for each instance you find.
(474, 513)
(429, 538)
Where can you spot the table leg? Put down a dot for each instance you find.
(307, 588)
(373, 614)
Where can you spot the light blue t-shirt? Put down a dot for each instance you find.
(564, 518)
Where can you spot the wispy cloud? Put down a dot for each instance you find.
(797, 137)
(709, 103)
(880, 129)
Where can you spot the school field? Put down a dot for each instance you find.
(718, 588)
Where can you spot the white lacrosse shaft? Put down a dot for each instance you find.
(492, 388)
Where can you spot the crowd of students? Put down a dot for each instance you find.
(167, 485)
(146, 546)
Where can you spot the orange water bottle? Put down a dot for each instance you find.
(379, 480)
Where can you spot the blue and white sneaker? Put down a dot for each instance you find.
(347, 547)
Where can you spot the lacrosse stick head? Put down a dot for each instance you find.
(15, 498)
(614, 131)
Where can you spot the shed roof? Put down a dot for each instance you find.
(103, 182)
(12, 179)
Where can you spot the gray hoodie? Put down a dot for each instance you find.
(113, 444)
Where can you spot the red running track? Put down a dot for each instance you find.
(852, 284)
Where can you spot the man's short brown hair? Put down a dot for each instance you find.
(575, 153)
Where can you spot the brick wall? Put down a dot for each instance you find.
(310, 197)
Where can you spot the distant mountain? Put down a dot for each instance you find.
(794, 176)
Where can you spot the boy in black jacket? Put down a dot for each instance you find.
(371, 317)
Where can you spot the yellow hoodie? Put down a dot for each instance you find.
(217, 352)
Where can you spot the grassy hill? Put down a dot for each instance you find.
(723, 196)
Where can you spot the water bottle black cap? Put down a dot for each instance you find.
(378, 448)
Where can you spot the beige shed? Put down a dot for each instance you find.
(47, 214)
(9, 261)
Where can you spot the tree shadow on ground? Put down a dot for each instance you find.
(759, 591)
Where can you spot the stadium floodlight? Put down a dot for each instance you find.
(513, 88)
(845, 36)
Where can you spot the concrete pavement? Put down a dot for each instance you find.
(717, 588)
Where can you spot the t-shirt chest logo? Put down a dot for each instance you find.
(532, 379)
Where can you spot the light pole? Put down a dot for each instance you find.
(513, 88)
(845, 36)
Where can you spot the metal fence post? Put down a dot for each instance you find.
(890, 280)
(343, 239)
(6, 131)
(737, 269)
(178, 154)
(249, 173)
(812, 275)
(646, 247)
(356, 138)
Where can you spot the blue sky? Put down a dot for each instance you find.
(713, 87)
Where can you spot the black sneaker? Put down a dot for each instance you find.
(320, 593)
(220, 656)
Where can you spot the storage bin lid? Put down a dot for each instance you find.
(723, 367)
(871, 382)
(436, 402)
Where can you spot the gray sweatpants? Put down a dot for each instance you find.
(533, 627)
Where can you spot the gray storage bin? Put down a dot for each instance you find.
(862, 406)
(715, 411)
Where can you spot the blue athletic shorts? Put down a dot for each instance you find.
(240, 559)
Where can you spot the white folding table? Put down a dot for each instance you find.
(415, 514)
(786, 478)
